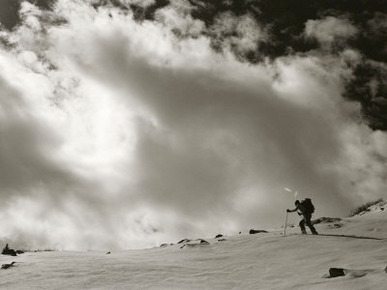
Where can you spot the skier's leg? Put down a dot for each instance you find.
(302, 226)
(309, 224)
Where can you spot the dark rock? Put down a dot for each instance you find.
(203, 242)
(8, 251)
(184, 241)
(336, 272)
(198, 242)
(108, 253)
(240, 232)
(6, 266)
(222, 240)
(218, 236)
(252, 232)
(163, 245)
(336, 226)
(19, 252)
(11, 253)
(325, 220)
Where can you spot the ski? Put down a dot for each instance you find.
(340, 236)
(350, 236)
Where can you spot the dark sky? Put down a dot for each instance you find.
(9, 11)
(131, 123)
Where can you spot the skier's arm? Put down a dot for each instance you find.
(296, 209)
(292, 210)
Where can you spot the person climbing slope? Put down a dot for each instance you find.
(306, 209)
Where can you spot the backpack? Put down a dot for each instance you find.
(308, 205)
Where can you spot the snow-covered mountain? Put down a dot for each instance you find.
(260, 261)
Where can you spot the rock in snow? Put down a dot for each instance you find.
(7, 266)
(252, 232)
(184, 241)
(336, 272)
(198, 242)
(8, 251)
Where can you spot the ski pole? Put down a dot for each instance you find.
(286, 223)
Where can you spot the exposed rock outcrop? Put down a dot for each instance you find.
(252, 232)
(326, 220)
(184, 241)
(336, 272)
(7, 266)
(8, 251)
(198, 242)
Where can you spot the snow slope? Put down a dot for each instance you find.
(261, 261)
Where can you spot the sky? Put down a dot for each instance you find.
(127, 124)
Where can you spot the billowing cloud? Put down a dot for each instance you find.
(239, 33)
(118, 133)
(330, 30)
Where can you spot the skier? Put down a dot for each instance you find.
(305, 208)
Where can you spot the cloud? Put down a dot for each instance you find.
(177, 17)
(145, 3)
(330, 30)
(239, 33)
(378, 23)
(123, 134)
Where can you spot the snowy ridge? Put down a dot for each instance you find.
(260, 261)
(375, 208)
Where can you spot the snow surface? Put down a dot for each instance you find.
(260, 261)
